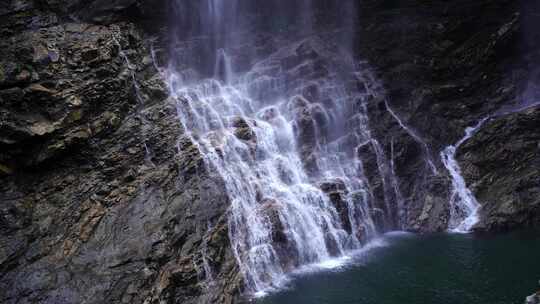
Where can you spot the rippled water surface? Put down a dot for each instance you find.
(438, 269)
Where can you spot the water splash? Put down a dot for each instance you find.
(463, 205)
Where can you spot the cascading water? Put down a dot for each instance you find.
(463, 205)
(283, 133)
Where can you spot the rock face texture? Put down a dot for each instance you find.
(444, 70)
(105, 199)
(503, 165)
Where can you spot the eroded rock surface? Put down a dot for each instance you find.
(103, 197)
(502, 165)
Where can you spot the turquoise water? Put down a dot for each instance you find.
(432, 269)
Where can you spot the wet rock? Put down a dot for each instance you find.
(431, 211)
(366, 153)
(533, 299)
(378, 216)
(271, 210)
(270, 114)
(298, 102)
(12, 95)
(331, 244)
(334, 185)
(501, 163)
(311, 92)
(339, 201)
(309, 160)
(322, 120)
(243, 130)
(106, 12)
(306, 129)
(302, 53)
(375, 178)
(90, 54)
(281, 242)
(337, 193)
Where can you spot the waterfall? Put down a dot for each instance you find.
(223, 69)
(282, 124)
(463, 205)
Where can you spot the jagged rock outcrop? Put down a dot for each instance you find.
(502, 165)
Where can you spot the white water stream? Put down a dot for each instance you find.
(463, 205)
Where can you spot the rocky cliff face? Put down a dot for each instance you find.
(104, 199)
(502, 164)
(445, 66)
